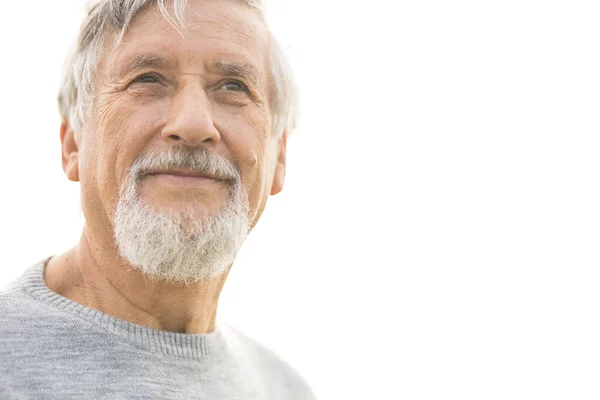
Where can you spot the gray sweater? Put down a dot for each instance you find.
(54, 348)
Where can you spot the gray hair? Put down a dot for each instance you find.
(104, 16)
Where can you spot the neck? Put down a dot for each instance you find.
(93, 274)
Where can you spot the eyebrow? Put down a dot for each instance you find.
(245, 71)
(143, 61)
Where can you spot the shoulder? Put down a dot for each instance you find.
(28, 320)
(281, 376)
(23, 318)
(16, 302)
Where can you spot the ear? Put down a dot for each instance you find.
(70, 151)
(279, 176)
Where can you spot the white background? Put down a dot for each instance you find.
(438, 234)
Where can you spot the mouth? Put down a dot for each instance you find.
(184, 177)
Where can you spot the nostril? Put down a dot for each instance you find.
(175, 137)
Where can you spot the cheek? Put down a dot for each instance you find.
(245, 132)
(118, 138)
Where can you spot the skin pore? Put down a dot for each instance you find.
(157, 91)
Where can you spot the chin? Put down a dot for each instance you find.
(180, 241)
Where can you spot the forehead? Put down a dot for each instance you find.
(214, 31)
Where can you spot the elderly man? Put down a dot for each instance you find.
(175, 119)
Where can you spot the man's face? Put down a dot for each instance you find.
(157, 91)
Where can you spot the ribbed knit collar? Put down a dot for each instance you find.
(182, 345)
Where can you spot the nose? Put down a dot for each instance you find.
(190, 119)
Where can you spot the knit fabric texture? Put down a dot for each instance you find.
(54, 348)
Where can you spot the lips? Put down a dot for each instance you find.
(185, 173)
(184, 177)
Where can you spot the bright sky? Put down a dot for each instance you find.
(438, 234)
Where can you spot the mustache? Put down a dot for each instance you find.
(202, 160)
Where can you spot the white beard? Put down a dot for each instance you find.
(180, 247)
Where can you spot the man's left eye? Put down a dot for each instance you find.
(234, 86)
(146, 78)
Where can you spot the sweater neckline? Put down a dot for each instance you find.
(181, 345)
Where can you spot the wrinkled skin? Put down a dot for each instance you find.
(184, 99)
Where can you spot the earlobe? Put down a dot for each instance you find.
(279, 175)
(70, 151)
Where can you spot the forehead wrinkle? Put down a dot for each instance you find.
(247, 38)
(244, 31)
